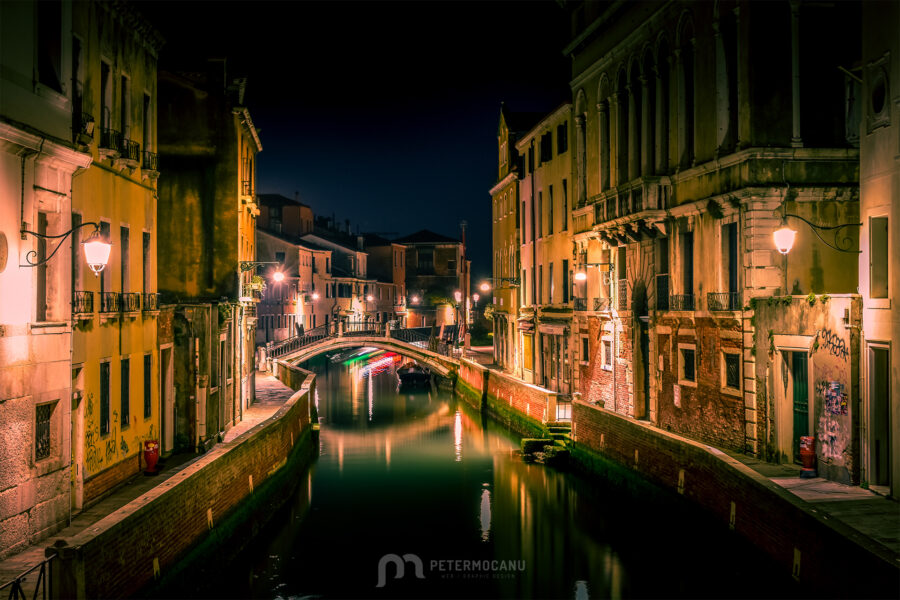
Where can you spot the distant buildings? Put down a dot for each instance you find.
(433, 278)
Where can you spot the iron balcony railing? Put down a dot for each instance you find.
(131, 302)
(110, 139)
(662, 292)
(623, 294)
(151, 301)
(723, 300)
(110, 302)
(681, 302)
(82, 302)
(601, 304)
(130, 150)
(580, 304)
(36, 582)
(85, 124)
(151, 161)
(247, 187)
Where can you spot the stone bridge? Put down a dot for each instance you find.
(437, 356)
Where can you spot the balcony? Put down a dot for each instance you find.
(130, 302)
(601, 304)
(150, 164)
(622, 294)
(151, 302)
(247, 188)
(84, 128)
(110, 142)
(580, 304)
(681, 302)
(129, 153)
(662, 292)
(110, 302)
(723, 301)
(83, 304)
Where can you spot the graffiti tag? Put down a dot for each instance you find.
(832, 343)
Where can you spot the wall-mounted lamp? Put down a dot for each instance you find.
(784, 236)
(486, 287)
(247, 265)
(96, 251)
(581, 273)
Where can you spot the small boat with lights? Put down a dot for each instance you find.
(412, 374)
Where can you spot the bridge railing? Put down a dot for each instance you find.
(291, 344)
(352, 328)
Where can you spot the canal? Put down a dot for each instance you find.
(409, 478)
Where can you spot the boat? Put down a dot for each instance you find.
(412, 374)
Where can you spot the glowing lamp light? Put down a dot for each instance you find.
(415, 299)
(580, 276)
(458, 295)
(369, 298)
(475, 297)
(784, 238)
(315, 296)
(278, 276)
(485, 286)
(96, 252)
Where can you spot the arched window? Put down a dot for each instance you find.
(648, 116)
(604, 133)
(635, 98)
(686, 69)
(621, 129)
(725, 30)
(580, 147)
(663, 87)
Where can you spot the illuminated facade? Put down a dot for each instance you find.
(545, 314)
(38, 158)
(685, 159)
(433, 276)
(115, 355)
(387, 265)
(207, 223)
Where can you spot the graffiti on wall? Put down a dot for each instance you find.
(832, 438)
(93, 460)
(831, 342)
(834, 396)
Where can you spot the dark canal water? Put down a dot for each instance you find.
(420, 475)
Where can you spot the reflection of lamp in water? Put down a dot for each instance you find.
(485, 515)
(457, 436)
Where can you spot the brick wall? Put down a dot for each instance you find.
(106, 481)
(611, 389)
(706, 413)
(768, 516)
(120, 554)
(527, 399)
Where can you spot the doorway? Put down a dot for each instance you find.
(167, 398)
(879, 415)
(800, 399)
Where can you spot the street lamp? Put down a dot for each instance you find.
(475, 298)
(581, 273)
(414, 299)
(96, 251)
(458, 296)
(784, 236)
(485, 286)
(315, 296)
(248, 265)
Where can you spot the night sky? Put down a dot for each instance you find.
(383, 113)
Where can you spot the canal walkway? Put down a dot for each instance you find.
(271, 394)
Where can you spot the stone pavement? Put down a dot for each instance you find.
(271, 394)
(876, 517)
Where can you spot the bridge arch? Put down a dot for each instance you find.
(438, 363)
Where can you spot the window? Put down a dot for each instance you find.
(687, 262)
(539, 216)
(546, 147)
(76, 250)
(327, 264)
(147, 262)
(731, 369)
(125, 107)
(531, 160)
(686, 365)
(147, 388)
(540, 284)
(126, 388)
(49, 24)
(878, 257)
(451, 267)
(607, 355)
(148, 129)
(40, 295)
(550, 211)
(426, 261)
(279, 257)
(104, 398)
(562, 137)
(729, 259)
(42, 430)
(565, 206)
(105, 99)
(523, 221)
(125, 271)
(565, 281)
(585, 349)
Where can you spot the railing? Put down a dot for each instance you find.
(110, 302)
(363, 328)
(410, 336)
(151, 301)
(110, 139)
(86, 124)
(723, 300)
(131, 302)
(623, 294)
(130, 150)
(251, 290)
(681, 302)
(662, 292)
(82, 302)
(151, 161)
(580, 304)
(42, 582)
(601, 304)
(247, 187)
(291, 344)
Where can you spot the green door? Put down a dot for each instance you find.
(799, 374)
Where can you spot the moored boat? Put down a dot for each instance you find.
(410, 373)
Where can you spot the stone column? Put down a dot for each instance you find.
(662, 122)
(604, 146)
(580, 143)
(646, 131)
(634, 150)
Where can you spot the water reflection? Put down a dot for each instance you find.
(418, 473)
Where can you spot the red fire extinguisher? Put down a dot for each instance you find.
(808, 456)
(151, 456)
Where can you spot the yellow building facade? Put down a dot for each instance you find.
(115, 358)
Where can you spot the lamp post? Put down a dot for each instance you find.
(96, 251)
(784, 236)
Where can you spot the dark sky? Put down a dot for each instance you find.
(384, 113)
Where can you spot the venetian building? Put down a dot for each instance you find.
(545, 314)
(39, 156)
(688, 154)
(116, 353)
(207, 244)
(879, 279)
(506, 238)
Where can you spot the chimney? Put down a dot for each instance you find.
(359, 242)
